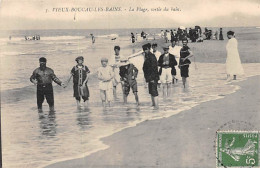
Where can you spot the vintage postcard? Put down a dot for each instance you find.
(130, 84)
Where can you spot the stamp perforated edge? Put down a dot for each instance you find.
(237, 131)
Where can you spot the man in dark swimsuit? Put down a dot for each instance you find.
(43, 77)
(185, 54)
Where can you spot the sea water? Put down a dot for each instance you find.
(32, 139)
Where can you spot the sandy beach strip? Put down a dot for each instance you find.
(183, 140)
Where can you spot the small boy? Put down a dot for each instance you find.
(80, 78)
(105, 75)
(114, 63)
(128, 73)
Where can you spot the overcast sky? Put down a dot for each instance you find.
(31, 14)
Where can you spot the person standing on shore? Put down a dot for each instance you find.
(162, 34)
(92, 38)
(114, 62)
(168, 34)
(105, 75)
(151, 74)
(43, 77)
(220, 34)
(167, 63)
(184, 63)
(216, 35)
(80, 78)
(233, 62)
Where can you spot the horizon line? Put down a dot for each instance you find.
(123, 28)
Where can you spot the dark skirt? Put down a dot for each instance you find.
(152, 86)
(221, 37)
(185, 71)
(80, 91)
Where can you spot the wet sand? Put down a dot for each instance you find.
(183, 140)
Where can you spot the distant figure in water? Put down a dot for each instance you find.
(143, 35)
(43, 77)
(220, 34)
(93, 38)
(133, 37)
(105, 75)
(233, 63)
(80, 74)
(216, 35)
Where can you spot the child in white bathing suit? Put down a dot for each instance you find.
(105, 75)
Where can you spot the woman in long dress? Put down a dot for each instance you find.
(233, 63)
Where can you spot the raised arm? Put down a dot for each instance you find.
(71, 75)
(135, 54)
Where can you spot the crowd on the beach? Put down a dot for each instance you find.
(193, 34)
(159, 71)
(35, 37)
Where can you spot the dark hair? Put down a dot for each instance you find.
(145, 47)
(154, 45)
(149, 45)
(42, 59)
(117, 47)
(230, 33)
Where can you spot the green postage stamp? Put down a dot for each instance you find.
(237, 149)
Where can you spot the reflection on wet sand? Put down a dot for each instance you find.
(48, 124)
(84, 118)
